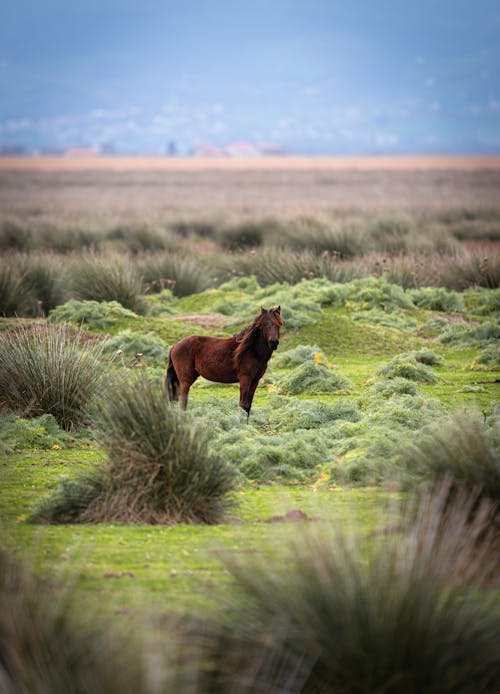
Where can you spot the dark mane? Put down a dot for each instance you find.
(245, 338)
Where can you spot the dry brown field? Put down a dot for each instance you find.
(152, 189)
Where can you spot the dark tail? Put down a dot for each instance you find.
(171, 383)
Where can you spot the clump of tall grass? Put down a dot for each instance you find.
(14, 295)
(138, 238)
(96, 315)
(334, 613)
(245, 235)
(306, 233)
(107, 278)
(463, 447)
(14, 236)
(43, 280)
(48, 644)
(160, 466)
(281, 264)
(66, 240)
(477, 267)
(182, 274)
(52, 370)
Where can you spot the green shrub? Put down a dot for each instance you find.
(96, 315)
(39, 434)
(332, 613)
(488, 358)
(298, 355)
(407, 366)
(49, 644)
(481, 301)
(425, 356)
(311, 379)
(95, 278)
(395, 386)
(51, 370)
(437, 299)
(127, 344)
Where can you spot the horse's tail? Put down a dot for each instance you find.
(171, 382)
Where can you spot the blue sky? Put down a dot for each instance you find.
(316, 76)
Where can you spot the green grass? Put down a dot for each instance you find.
(156, 569)
(175, 568)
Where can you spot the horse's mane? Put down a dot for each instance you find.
(245, 338)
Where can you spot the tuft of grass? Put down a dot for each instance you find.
(14, 236)
(43, 282)
(463, 447)
(182, 274)
(245, 235)
(51, 370)
(107, 278)
(14, 297)
(160, 466)
(48, 644)
(332, 613)
(137, 238)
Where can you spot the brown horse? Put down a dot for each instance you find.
(242, 357)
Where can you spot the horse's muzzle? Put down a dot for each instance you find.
(273, 344)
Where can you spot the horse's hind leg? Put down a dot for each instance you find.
(171, 383)
(185, 385)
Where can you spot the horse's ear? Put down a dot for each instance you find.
(262, 310)
(278, 309)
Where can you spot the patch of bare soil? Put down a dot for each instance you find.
(205, 320)
(293, 516)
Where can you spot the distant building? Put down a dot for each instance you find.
(208, 150)
(271, 149)
(241, 149)
(81, 152)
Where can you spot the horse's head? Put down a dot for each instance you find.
(270, 323)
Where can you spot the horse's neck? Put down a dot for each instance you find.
(261, 346)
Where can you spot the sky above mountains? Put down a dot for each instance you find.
(316, 76)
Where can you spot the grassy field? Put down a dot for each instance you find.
(388, 280)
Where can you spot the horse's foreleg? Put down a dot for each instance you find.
(247, 390)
